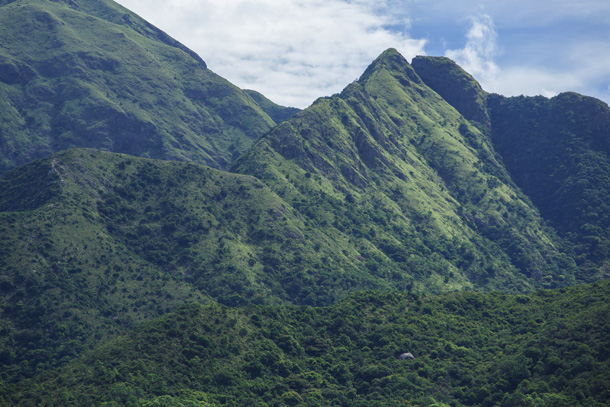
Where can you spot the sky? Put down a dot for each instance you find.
(294, 51)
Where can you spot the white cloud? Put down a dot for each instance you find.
(532, 81)
(292, 51)
(477, 57)
(573, 66)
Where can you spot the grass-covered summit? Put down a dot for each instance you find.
(89, 73)
(410, 187)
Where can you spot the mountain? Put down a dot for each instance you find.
(386, 186)
(469, 349)
(456, 86)
(93, 242)
(89, 73)
(556, 150)
(411, 184)
(414, 189)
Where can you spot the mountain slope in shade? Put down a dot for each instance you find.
(276, 112)
(87, 73)
(556, 150)
(416, 190)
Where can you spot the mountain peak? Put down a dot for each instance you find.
(391, 60)
(390, 53)
(102, 77)
(455, 85)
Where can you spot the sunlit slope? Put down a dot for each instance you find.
(556, 150)
(412, 188)
(91, 242)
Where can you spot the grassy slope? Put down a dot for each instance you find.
(556, 150)
(92, 242)
(409, 187)
(92, 74)
(547, 349)
(456, 86)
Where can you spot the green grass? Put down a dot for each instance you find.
(408, 185)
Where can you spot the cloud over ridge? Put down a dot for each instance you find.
(294, 51)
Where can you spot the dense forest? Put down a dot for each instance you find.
(469, 349)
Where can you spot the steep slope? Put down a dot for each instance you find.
(456, 86)
(89, 73)
(470, 349)
(413, 188)
(558, 151)
(91, 242)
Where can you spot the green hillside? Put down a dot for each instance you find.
(91, 242)
(416, 192)
(89, 73)
(470, 349)
(412, 212)
(556, 150)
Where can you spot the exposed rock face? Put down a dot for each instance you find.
(406, 356)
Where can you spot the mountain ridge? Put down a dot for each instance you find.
(411, 183)
(454, 85)
(386, 129)
(92, 74)
(384, 186)
(555, 149)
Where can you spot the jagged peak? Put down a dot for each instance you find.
(455, 85)
(423, 64)
(392, 61)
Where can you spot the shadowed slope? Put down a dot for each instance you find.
(558, 152)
